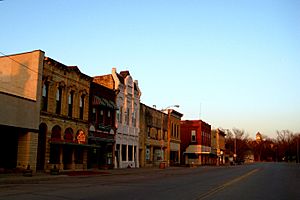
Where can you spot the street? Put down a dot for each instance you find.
(253, 181)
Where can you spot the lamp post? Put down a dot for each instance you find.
(168, 131)
(221, 159)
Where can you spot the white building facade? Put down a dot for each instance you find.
(127, 120)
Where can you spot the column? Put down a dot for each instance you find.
(61, 164)
(27, 150)
(179, 156)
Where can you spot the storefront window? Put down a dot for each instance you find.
(79, 156)
(54, 154)
(130, 153)
(124, 152)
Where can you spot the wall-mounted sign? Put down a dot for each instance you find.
(81, 138)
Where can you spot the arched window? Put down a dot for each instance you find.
(55, 148)
(56, 132)
(68, 135)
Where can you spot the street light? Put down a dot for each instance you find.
(221, 152)
(168, 130)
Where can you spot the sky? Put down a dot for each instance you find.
(234, 64)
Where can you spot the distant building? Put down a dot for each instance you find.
(218, 145)
(128, 103)
(20, 100)
(196, 142)
(258, 137)
(174, 133)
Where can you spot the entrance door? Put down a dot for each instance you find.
(67, 157)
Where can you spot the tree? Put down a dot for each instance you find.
(236, 143)
(288, 145)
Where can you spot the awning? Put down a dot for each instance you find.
(70, 143)
(198, 149)
(99, 139)
(104, 102)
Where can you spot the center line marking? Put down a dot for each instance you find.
(221, 187)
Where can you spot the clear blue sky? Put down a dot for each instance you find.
(234, 63)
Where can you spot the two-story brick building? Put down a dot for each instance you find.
(102, 129)
(63, 126)
(218, 146)
(195, 142)
(153, 136)
(174, 137)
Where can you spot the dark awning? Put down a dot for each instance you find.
(104, 102)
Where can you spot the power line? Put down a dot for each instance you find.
(19, 63)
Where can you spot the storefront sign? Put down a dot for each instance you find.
(81, 138)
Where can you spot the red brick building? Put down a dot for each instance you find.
(195, 142)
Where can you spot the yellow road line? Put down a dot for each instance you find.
(221, 187)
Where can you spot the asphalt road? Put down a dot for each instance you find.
(255, 181)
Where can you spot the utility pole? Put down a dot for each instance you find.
(298, 149)
(235, 149)
(169, 137)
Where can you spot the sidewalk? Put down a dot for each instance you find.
(37, 177)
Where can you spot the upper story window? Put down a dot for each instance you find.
(81, 106)
(148, 132)
(134, 119)
(127, 117)
(94, 111)
(118, 115)
(70, 103)
(58, 100)
(45, 97)
(109, 118)
(193, 136)
(100, 116)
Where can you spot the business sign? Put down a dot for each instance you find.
(81, 138)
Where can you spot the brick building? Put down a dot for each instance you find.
(20, 99)
(174, 137)
(196, 142)
(63, 126)
(218, 146)
(159, 136)
(102, 129)
(153, 136)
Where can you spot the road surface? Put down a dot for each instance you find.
(255, 181)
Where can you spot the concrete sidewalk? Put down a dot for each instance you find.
(37, 177)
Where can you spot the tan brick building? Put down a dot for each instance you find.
(64, 117)
(153, 136)
(218, 146)
(159, 136)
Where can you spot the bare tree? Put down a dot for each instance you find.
(288, 145)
